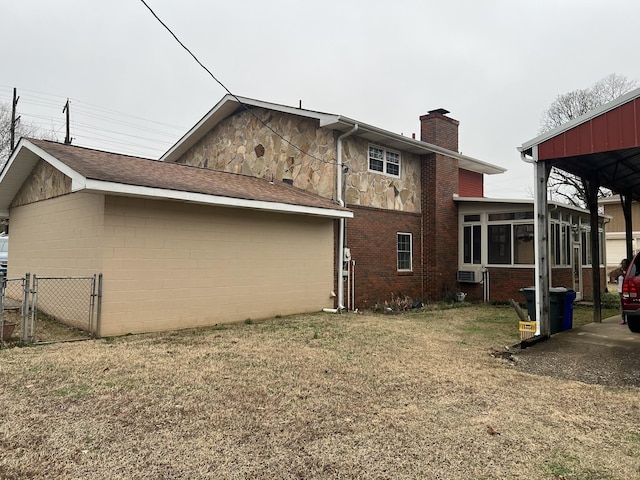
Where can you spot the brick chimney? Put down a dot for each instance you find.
(438, 129)
(440, 212)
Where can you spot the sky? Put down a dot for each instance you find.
(496, 65)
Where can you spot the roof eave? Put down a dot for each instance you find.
(20, 165)
(410, 145)
(112, 188)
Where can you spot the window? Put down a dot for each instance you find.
(472, 242)
(587, 257)
(384, 161)
(499, 246)
(560, 240)
(404, 252)
(523, 252)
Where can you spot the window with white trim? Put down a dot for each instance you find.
(560, 241)
(472, 241)
(405, 251)
(587, 257)
(384, 161)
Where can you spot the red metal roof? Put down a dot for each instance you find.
(602, 144)
(616, 129)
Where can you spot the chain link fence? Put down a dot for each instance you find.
(49, 309)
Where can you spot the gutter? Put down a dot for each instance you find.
(342, 226)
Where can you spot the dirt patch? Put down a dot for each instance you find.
(316, 396)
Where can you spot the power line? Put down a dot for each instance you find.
(159, 139)
(246, 107)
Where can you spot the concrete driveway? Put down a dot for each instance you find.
(599, 353)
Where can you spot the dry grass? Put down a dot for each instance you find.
(46, 329)
(313, 396)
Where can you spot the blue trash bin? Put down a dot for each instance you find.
(567, 317)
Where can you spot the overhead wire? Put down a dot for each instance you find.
(158, 134)
(246, 107)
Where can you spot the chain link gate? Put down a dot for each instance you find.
(50, 309)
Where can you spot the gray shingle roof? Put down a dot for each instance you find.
(128, 170)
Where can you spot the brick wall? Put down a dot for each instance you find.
(440, 182)
(587, 281)
(505, 283)
(372, 237)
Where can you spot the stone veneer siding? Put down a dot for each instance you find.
(374, 189)
(241, 144)
(43, 183)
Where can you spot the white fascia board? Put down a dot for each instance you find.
(99, 186)
(77, 180)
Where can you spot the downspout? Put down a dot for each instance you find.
(340, 255)
(542, 270)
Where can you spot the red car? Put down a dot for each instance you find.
(631, 295)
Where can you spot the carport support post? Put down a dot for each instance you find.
(591, 187)
(625, 200)
(541, 214)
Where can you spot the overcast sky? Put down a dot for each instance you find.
(496, 65)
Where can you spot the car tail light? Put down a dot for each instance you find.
(629, 289)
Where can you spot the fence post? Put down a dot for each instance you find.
(26, 285)
(99, 309)
(92, 304)
(3, 283)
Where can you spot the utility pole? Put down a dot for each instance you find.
(14, 120)
(67, 138)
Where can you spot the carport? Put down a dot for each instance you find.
(601, 147)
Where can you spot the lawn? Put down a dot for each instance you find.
(414, 395)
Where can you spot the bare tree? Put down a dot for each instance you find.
(23, 129)
(563, 186)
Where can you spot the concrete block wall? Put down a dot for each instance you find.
(169, 265)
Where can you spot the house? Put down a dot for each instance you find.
(416, 203)
(616, 248)
(401, 190)
(264, 209)
(178, 246)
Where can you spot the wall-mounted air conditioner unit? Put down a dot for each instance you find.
(469, 274)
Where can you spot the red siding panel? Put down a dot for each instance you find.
(629, 115)
(600, 140)
(470, 184)
(613, 130)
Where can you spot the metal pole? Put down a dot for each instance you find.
(99, 313)
(34, 307)
(3, 282)
(353, 285)
(92, 298)
(26, 281)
